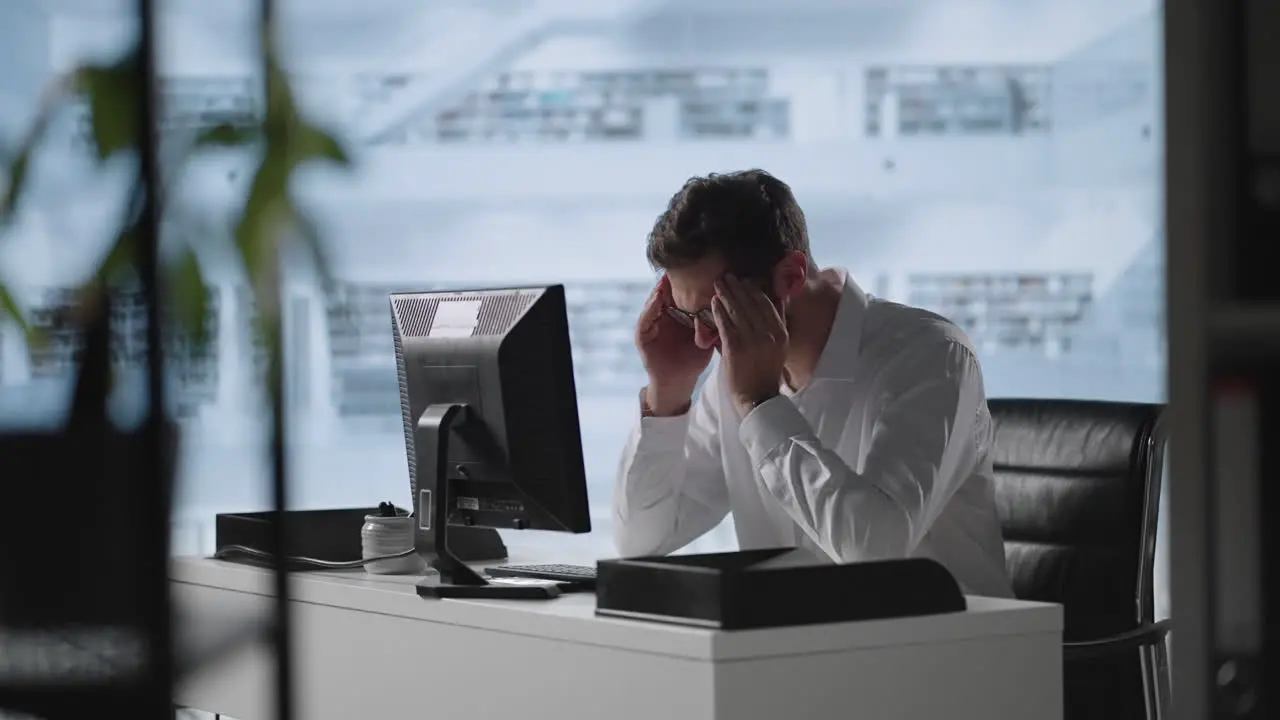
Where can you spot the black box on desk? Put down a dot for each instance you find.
(334, 536)
(750, 589)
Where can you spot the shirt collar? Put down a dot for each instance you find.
(840, 354)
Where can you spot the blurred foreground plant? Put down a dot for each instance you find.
(267, 219)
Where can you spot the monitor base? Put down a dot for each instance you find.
(431, 538)
(433, 587)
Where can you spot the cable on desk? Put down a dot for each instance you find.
(227, 552)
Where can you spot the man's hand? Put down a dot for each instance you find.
(670, 356)
(753, 342)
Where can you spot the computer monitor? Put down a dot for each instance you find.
(490, 423)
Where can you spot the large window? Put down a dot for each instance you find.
(995, 162)
(602, 105)
(962, 100)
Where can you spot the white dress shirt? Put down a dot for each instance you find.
(884, 454)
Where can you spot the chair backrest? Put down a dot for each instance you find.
(1078, 490)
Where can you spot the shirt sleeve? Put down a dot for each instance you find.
(921, 441)
(671, 486)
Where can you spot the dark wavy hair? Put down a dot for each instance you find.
(750, 219)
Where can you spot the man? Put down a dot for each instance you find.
(851, 427)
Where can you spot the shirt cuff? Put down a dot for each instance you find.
(662, 432)
(770, 426)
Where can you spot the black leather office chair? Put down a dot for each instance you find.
(1078, 488)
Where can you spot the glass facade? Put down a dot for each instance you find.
(998, 162)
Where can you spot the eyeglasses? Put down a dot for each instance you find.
(705, 316)
(690, 319)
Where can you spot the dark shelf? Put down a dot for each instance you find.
(59, 672)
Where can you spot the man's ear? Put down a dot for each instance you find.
(790, 274)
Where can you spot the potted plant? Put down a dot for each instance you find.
(84, 515)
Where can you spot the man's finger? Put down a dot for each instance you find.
(735, 308)
(653, 307)
(655, 304)
(767, 311)
(649, 334)
(664, 288)
(751, 296)
(651, 314)
(756, 305)
(724, 323)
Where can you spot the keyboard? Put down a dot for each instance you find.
(580, 575)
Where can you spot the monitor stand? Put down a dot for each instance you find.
(455, 578)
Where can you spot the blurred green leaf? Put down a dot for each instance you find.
(280, 101)
(227, 135)
(113, 94)
(272, 343)
(255, 235)
(316, 144)
(254, 241)
(267, 219)
(259, 228)
(10, 309)
(20, 162)
(190, 296)
(308, 235)
(120, 258)
(15, 182)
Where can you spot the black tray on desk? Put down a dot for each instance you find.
(731, 591)
(334, 536)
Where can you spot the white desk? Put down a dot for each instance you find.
(369, 647)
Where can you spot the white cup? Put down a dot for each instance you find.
(382, 536)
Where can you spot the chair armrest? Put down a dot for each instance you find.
(1144, 636)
